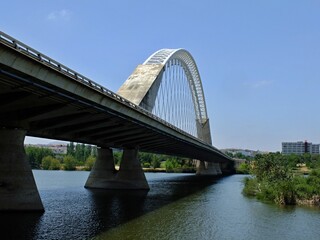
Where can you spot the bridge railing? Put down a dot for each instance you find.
(34, 54)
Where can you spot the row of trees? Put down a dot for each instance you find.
(274, 178)
(170, 163)
(153, 161)
(68, 162)
(83, 156)
(78, 155)
(81, 152)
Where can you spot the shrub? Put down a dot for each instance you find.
(89, 163)
(69, 163)
(146, 165)
(50, 163)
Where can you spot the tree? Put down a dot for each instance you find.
(145, 158)
(69, 162)
(272, 179)
(271, 166)
(87, 151)
(117, 155)
(94, 151)
(55, 164)
(50, 163)
(244, 168)
(78, 153)
(70, 149)
(155, 161)
(46, 162)
(36, 154)
(89, 163)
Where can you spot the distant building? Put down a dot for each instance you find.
(56, 148)
(300, 148)
(315, 149)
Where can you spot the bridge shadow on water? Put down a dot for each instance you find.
(86, 213)
(115, 208)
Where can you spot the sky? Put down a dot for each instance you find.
(258, 60)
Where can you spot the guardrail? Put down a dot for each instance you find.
(34, 54)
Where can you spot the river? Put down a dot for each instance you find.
(178, 206)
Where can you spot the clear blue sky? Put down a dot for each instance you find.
(259, 60)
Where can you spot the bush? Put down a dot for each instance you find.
(169, 166)
(69, 163)
(89, 163)
(274, 181)
(250, 186)
(155, 162)
(146, 165)
(50, 163)
(36, 154)
(244, 168)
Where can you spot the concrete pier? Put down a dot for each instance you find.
(18, 190)
(129, 176)
(103, 171)
(208, 168)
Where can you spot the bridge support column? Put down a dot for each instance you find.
(18, 190)
(103, 171)
(208, 168)
(130, 175)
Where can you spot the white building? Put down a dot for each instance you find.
(300, 148)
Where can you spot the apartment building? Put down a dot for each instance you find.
(300, 148)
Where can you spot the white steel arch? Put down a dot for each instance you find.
(164, 56)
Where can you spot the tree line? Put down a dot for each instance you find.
(78, 155)
(83, 156)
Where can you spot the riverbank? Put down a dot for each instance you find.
(274, 181)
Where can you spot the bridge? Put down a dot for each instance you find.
(159, 109)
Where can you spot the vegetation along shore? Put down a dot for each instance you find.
(278, 178)
(83, 157)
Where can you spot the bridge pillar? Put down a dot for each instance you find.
(18, 190)
(103, 171)
(130, 175)
(208, 168)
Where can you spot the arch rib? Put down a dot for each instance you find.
(163, 56)
(142, 85)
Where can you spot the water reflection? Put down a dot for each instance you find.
(113, 207)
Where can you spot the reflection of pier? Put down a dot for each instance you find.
(43, 98)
